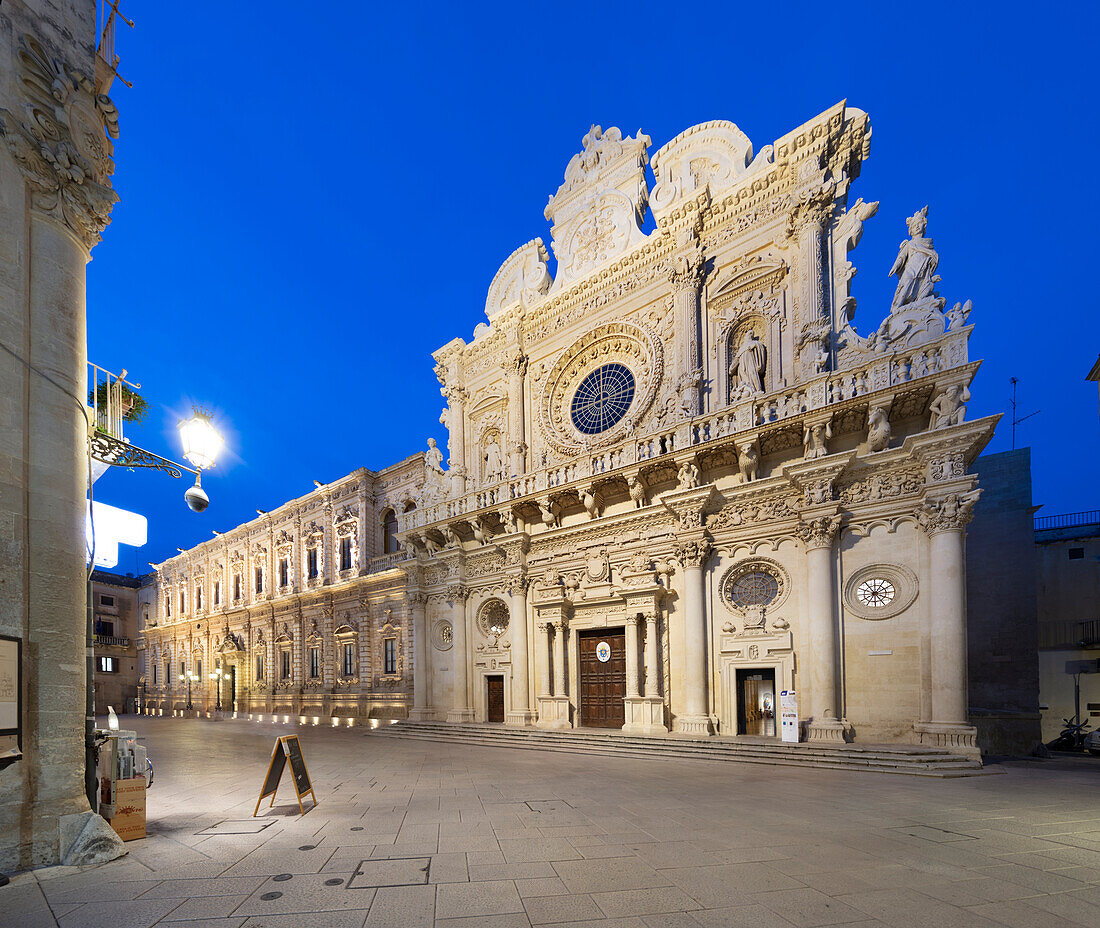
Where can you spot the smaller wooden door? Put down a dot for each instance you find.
(494, 699)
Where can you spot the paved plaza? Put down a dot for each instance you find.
(411, 833)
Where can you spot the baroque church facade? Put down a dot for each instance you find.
(678, 482)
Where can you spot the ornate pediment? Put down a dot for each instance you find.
(598, 209)
(521, 280)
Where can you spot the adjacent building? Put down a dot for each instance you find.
(680, 480)
(116, 616)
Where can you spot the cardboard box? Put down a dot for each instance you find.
(128, 820)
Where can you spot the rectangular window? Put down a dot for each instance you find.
(198, 669)
(217, 592)
(183, 668)
(286, 664)
(389, 652)
(284, 572)
(236, 587)
(345, 554)
(315, 662)
(108, 665)
(155, 674)
(1076, 554)
(349, 661)
(105, 600)
(311, 563)
(183, 603)
(259, 666)
(103, 627)
(168, 606)
(259, 579)
(198, 597)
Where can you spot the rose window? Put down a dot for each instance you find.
(493, 618)
(602, 399)
(754, 589)
(875, 593)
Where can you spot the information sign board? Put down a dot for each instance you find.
(286, 748)
(788, 715)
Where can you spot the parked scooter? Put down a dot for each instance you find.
(1073, 737)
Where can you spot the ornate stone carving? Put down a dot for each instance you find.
(747, 368)
(748, 460)
(688, 476)
(950, 514)
(819, 533)
(946, 466)
(878, 428)
(814, 439)
(59, 143)
(915, 265)
(949, 408)
(753, 588)
(637, 491)
(693, 553)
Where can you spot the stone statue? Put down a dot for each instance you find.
(591, 504)
(433, 458)
(957, 314)
(549, 517)
(814, 439)
(493, 465)
(915, 266)
(949, 408)
(450, 539)
(748, 365)
(637, 491)
(748, 461)
(688, 475)
(878, 429)
(508, 520)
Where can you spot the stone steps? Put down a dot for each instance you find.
(907, 759)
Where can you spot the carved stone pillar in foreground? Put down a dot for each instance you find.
(520, 713)
(461, 711)
(820, 662)
(554, 707)
(421, 711)
(944, 522)
(695, 720)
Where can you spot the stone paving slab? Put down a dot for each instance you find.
(510, 839)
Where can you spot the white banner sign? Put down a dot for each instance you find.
(788, 714)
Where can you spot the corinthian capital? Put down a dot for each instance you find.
(819, 533)
(515, 364)
(685, 270)
(812, 210)
(693, 553)
(950, 514)
(59, 140)
(457, 593)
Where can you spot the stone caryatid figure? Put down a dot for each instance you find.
(747, 369)
(815, 440)
(915, 266)
(949, 408)
(688, 476)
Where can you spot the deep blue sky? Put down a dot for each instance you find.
(313, 200)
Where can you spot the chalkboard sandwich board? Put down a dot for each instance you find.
(286, 748)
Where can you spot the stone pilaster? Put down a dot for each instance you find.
(456, 444)
(553, 614)
(421, 711)
(461, 710)
(515, 368)
(520, 713)
(685, 274)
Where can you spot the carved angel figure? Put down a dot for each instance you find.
(748, 461)
(688, 475)
(915, 266)
(878, 429)
(949, 408)
(957, 314)
(814, 439)
(747, 369)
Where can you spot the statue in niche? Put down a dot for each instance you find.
(747, 369)
(493, 465)
(433, 458)
(916, 263)
(949, 408)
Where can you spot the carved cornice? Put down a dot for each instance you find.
(59, 142)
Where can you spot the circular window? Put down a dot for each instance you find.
(602, 399)
(492, 618)
(876, 593)
(754, 589)
(443, 636)
(880, 591)
(757, 584)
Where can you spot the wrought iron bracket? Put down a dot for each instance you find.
(109, 450)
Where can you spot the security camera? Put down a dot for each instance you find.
(196, 498)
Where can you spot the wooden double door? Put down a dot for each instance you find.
(602, 683)
(494, 698)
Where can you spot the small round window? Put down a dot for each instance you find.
(602, 399)
(875, 593)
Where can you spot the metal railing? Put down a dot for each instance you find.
(108, 401)
(112, 641)
(1069, 520)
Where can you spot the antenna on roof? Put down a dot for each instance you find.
(1017, 420)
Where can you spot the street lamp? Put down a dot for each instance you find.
(217, 675)
(201, 444)
(190, 678)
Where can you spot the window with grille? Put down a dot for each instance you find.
(315, 662)
(286, 665)
(259, 579)
(259, 666)
(311, 563)
(345, 554)
(284, 572)
(389, 655)
(349, 660)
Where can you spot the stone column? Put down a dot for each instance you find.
(632, 657)
(456, 440)
(944, 522)
(544, 628)
(554, 708)
(559, 658)
(807, 225)
(461, 710)
(515, 368)
(695, 720)
(652, 658)
(818, 535)
(421, 710)
(520, 713)
(685, 275)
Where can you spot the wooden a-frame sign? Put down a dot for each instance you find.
(286, 748)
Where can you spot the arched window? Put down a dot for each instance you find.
(389, 532)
